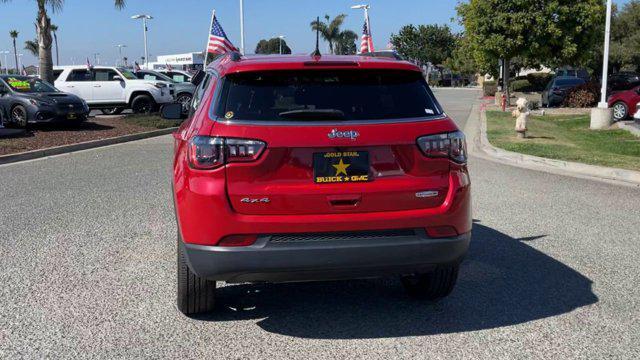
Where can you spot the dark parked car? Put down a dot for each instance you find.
(571, 72)
(26, 99)
(624, 80)
(556, 90)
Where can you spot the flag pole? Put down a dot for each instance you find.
(206, 48)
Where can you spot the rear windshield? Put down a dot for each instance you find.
(569, 82)
(310, 95)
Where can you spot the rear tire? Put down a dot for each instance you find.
(142, 104)
(432, 286)
(195, 294)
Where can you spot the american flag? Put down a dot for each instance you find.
(218, 41)
(89, 64)
(136, 67)
(169, 67)
(366, 45)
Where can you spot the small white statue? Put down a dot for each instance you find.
(521, 113)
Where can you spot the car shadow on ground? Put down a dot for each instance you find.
(504, 281)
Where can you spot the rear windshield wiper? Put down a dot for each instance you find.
(315, 114)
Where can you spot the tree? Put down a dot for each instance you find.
(43, 30)
(14, 36)
(32, 47)
(461, 59)
(549, 32)
(272, 46)
(329, 30)
(426, 43)
(54, 31)
(346, 43)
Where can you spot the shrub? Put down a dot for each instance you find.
(520, 85)
(539, 81)
(582, 96)
(489, 88)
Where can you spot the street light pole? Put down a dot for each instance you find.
(242, 26)
(605, 61)
(366, 8)
(602, 115)
(120, 46)
(281, 37)
(144, 18)
(6, 68)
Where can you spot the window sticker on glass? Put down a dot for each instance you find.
(19, 84)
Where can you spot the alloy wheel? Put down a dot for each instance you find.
(19, 116)
(619, 111)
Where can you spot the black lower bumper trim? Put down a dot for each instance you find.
(327, 260)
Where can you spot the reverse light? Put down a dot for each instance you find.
(451, 145)
(207, 153)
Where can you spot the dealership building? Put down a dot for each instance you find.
(187, 61)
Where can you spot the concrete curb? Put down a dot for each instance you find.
(476, 130)
(57, 150)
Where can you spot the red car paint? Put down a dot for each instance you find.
(208, 202)
(629, 97)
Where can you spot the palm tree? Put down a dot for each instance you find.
(330, 30)
(54, 31)
(346, 43)
(14, 36)
(32, 46)
(43, 29)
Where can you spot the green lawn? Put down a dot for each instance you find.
(566, 137)
(152, 121)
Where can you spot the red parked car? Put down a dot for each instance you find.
(300, 168)
(624, 103)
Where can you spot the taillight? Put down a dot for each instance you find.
(211, 152)
(451, 145)
(206, 152)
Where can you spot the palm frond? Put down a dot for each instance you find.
(54, 5)
(13, 34)
(120, 4)
(32, 47)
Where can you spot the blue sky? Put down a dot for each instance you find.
(95, 26)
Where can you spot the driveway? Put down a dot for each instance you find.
(87, 267)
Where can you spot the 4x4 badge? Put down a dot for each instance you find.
(349, 134)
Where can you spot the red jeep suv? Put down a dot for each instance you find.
(302, 168)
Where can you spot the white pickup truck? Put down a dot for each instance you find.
(113, 89)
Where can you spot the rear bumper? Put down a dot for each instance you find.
(271, 261)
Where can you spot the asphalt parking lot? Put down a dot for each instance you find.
(87, 269)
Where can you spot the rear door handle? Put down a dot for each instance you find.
(97, 85)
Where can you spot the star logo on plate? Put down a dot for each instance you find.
(341, 168)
